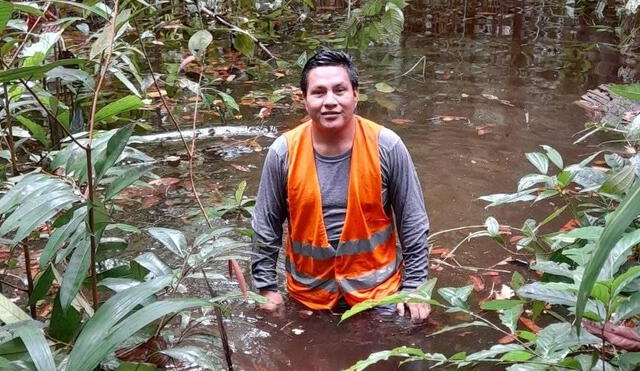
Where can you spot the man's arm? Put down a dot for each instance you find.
(269, 214)
(406, 199)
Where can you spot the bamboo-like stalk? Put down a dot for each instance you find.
(27, 269)
(9, 133)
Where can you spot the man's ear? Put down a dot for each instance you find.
(356, 94)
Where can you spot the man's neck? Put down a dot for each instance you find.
(333, 143)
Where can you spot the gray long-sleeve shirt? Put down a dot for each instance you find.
(401, 195)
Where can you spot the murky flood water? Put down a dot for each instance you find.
(482, 94)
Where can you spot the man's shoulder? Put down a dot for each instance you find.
(388, 139)
(279, 146)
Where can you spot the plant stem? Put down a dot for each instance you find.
(9, 133)
(27, 269)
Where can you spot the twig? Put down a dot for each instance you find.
(13, 286)
(469, 268)
(29, 33)
(27, 269)
(9, 133)
(240, 30)
(105, 60)
(423, 59)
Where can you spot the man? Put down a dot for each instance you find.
(339, 180)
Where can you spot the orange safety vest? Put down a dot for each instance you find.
(366, 264)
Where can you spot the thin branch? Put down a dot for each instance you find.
(13, 286)
(9, 133)
(27, 269)
(240, 30)
(26, 38)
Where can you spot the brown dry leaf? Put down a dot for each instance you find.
(247, 101)
(150, 201)
(507, 339)
(515, 239)
(481, 132)
(240, 168)
(490, 273)
(230, 78)
(147, 352)
(156, 94)
(618, 335)
(172, 25)
(44, 310)
(305, 313)
(570, 225)
(529, 324)
(452, 118)
(264, 112)
(478, 283)
(401, 121)
(442, 251)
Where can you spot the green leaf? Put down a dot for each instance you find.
(620, 282)
(629, 361)
(114, 149)
(240, 191)
(509, 317)
(199, 42)
(75, 273)
(500, 304)
(539, 160)
(92, 9)
(628, 308)
(244, 44)
(559, 337)
(28, 9)
(538, 291)
(302, 59)
(504, 198)
(136, 366)
(5, 14)
(34, 72)
(554, 156)
(493, 351)
(127, 327)
(516, 356)
(626, 212)
(372, 7)
(172, 239)
(631, 91)
(130, 176)
(493, 228)
(456, 296)
(458, 326)
(42, 286)
(530, 180)
(154, 264)
(62, 233)
(618, 181)
(228, 101)
(11, 313)
(403, 352)
(64, 323)
(192, 355)
(125, 104)
(38, 132)
(33, 338)
(383, 87)
(392, 23)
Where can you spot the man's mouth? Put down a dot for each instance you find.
(330, 114)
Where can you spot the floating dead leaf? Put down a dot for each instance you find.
(490, 273)
(303, 313)
(156, 94)
(507, 339)
(240, 168)
(265, 112)
(490, 96)
(570, 225)
(442, 251)
(401, 121)
(297, 331)
(478, 283)
(505, 293)
(230, 78)
(528, 323)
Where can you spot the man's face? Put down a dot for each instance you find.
(330, 99)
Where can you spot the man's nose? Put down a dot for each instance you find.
(330, 99)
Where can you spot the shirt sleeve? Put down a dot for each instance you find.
(269, 214)
(407, 201)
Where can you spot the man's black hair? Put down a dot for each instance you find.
(328, 57)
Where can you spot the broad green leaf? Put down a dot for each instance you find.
(504, 198)
(154, 264)
(494, 351)
(38, 132)
(509, 317)
(75, 273)
(404, 352)
(33, 338)
(91, 9)
(105, 40)
(628, 308)
(125, 104)
(61, 235)
(199, 42)
(114, 149)
(372, 7)
(136, 366)
(65, 324)
(26, 8)
(530, 180)
(626, 212)
(72, 75)
(192, 355)
(456, 296)
(591, 233)
(126, 179)
(244, 44)
(551, 267)
(493, 227)
(538, 291)
(392, 23)
(126, 328)
(11, 313)
(517, 356)
(383, 87)
(539, 160)
(552, 216)
(172, 239)
(458, 326)
(228, 101)
(34, 72)
(618, 181)
(561, 336)
(108, 315)
(629, 361)
(42, 286)
(5, 14)
(620, 282)
(554, 156)
(631, 91)
(500, 304)
(400, 297)
(240, 191)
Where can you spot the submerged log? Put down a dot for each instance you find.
(206, 133)
(604, 106)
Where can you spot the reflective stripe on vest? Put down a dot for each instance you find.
(366, 263)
